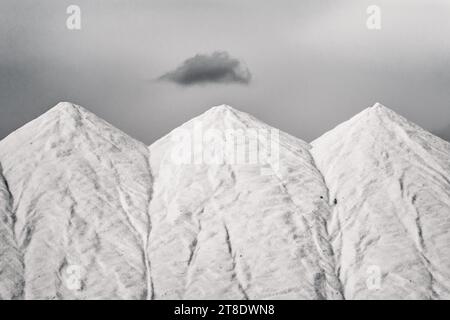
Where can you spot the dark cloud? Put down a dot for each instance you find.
(218, 67)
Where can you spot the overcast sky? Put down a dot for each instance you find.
(302, 66)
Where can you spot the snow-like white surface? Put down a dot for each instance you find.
(80, 191)
(390, 179)
(87, 212)
(228, 231)
(11, 267)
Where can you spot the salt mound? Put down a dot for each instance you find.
(390, 179)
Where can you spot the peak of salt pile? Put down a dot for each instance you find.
(234, 229)
(80, 191)
(390, 179)
(224, 207)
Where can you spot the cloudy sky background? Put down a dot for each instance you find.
(300, 65)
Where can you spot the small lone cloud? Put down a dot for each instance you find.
(219, 67)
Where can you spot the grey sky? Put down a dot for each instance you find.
(313, 63)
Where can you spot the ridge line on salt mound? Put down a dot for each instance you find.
(84, 186)
(390, 176)
(11, 259)
(379, 117)
(307, 213)
(329, 270)
(213, 115)
(60, 116)
(379, 111)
